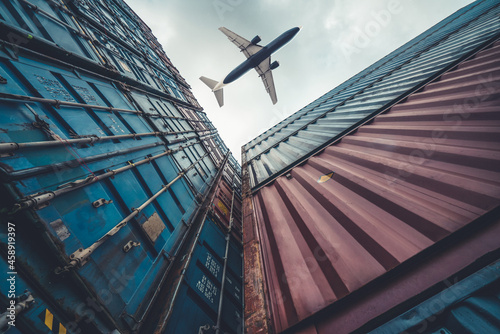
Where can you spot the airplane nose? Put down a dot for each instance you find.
(300, 28)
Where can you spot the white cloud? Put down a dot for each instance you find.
(311, 64)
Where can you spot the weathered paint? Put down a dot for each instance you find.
(468, 250)
(89, 33)
(202, 285)
(224, 206)
(422, 171)
(209, 273)
(256, 312)
(96, 122)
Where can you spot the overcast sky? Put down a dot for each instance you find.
(339, 38)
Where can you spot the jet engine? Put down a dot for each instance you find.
(255, 40)
(274, 65)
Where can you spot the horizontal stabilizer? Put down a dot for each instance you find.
(218, 93)
(209, 82)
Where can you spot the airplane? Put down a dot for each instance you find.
(258, 57)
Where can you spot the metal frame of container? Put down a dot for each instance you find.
(208, 275)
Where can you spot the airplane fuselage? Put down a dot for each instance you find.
(260, 56)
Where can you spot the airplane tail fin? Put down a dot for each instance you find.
(218, 93)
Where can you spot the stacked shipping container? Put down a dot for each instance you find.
(361, 212)
(107, 165)
(389, 211)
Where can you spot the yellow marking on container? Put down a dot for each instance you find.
(52, 322)
(223, 208)
(49, 318)
(325, 177)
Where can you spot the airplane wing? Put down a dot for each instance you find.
(265, 72)
(243, 44)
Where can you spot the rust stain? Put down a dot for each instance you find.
(153, 226)
(255, 313)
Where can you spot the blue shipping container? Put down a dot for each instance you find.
(104, 165)
(202, 286)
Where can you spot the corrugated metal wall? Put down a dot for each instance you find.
(377, 198)
(470, 306)
(205, 287)
(369, 92)
(202, 286)
(106, 159)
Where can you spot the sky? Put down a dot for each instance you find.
(339, 39)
